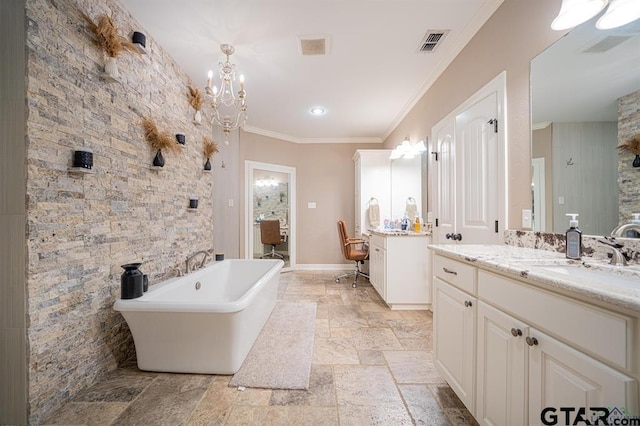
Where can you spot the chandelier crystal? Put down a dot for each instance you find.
(229, 106)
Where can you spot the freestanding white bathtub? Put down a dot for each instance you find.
(206, 321)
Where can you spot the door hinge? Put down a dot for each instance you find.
(436, 154)
(436, 221)
(496, 226)
(494, 121)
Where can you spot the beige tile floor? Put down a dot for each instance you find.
(371, 366)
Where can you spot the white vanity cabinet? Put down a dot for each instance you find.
(533, 348)
(454, 324)
(400, 269)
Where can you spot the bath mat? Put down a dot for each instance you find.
(281, 356)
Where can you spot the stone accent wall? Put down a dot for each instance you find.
(628, 176)
(82, 227)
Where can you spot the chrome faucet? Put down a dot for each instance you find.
(189, 268)
(621, 230)
(617, 257)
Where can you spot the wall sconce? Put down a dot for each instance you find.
(408, 150)
(575, 12)
(140, 40)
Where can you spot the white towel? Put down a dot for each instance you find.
(374, 213)
(411, 208)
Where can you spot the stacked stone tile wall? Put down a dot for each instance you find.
(628, 176)
(82, 227)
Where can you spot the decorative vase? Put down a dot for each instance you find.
(636, 161)
(197, 118)
(111, 67)
(207, 165)
(131, 281)
(158, 160)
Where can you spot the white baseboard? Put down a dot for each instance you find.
(324, 267)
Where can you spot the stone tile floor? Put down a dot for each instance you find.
(371, 366)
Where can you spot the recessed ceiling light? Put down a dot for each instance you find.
(317, 111)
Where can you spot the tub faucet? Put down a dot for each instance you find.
(189, 268)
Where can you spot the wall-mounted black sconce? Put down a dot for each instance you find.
(82, 160)
(140, 40)
(181, 138)
(193, 202)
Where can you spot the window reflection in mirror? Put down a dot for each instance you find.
(585, 101)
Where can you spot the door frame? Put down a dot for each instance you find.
(249, 167)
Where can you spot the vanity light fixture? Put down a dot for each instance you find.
(408, 150)
(317, 111)
(619, 13)
(575, 12)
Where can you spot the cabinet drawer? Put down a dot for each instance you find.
(456, 273)
(605, 334)
(377, 240)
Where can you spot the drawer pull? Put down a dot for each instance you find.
(531, 341)
(449, 272)
(516, 332)
(467, 303)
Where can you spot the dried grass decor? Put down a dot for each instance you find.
(209, 147)
(157, 139)
(631, 146)
(107, 38)
(195, 97)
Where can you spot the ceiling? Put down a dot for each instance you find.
(369, 78)
(582, 75)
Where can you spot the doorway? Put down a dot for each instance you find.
(270, 195)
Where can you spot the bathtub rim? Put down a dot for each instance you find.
(146, 304)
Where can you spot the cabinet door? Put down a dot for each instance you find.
(445, 180)
(560, 376)
(377, 269)
(454, 339)
(501, 368)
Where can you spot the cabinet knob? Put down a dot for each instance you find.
(531, 341)
(516, 332)
(448, 236)
(468, 303)
(448, 271)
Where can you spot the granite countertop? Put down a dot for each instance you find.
(589, 278)
(398, 233)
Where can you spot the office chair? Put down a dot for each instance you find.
(354, 249)
(270, 234)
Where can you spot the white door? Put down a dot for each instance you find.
(445, 180)
(560, 376)
(476, 140)
(470, 189)
(454, 338)
(502, 363)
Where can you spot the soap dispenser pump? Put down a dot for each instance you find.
(574, 238)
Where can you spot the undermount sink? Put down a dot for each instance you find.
(593, 275)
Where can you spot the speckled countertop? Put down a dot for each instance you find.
(588, 278)
(399, 233)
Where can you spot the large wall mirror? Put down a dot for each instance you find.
(585, 101)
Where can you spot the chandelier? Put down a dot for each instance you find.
(229, 107)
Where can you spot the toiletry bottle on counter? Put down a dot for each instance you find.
(574, 238)
(416, 224)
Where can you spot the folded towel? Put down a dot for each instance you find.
(411, 208)
(374, 213)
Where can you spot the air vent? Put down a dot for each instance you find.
(312, 45)
(432, 40)
(607, 43)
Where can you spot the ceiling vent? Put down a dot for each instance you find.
(606, 44)
(432, 40)
(313, 45)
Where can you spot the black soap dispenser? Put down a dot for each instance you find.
(574, 238)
